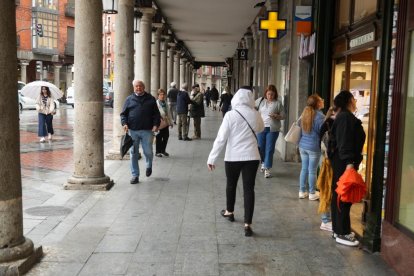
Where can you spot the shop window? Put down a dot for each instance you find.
(343, 13)
(364, 8)
(339, 77)
(406, 204)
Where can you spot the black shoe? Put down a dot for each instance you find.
(134, 180)
(158, 154)
(188, 139)
(175, 123)
(180, 138)
(148, 172)
(230, 217)
(166, 154)
(248, 232)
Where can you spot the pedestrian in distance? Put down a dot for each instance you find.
(272, 111)
(214, 96)
(197, 110)
(161, 139)
(45, 106)
(172, 100)
(238, 132)
(207, 96)
(225, 101)
(183, 100)
(346, 153)
(310, 122)
(141, 118)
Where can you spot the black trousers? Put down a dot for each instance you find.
(161, 140)
(248, 170)
(340, 213)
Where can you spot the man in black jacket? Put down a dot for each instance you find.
(214, 96)
(172, 100)
(183, 100)
(140, 117)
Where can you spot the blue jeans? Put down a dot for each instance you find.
(310, 162)
(326, 217)
(145, 137)
(267, 141)
(45, 125)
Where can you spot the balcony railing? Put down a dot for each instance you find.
(70, 10)
(70, 49)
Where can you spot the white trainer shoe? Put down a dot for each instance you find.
(326, 226)
(267, 173)
(303, 195)
(314, 196)
(348, 240)
(42, 140)
(262, 168)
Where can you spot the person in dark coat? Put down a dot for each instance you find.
(172, 100)
(197, 110)
(183, 100)
(348, 141)
(140, 117)
(225, 101)
(207, 96)
(214, 96)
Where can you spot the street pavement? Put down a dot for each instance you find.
(169, 223)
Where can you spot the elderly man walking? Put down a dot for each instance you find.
(140, 117)
(172, 100)
(183, 100)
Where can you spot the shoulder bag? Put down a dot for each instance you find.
(294, 133)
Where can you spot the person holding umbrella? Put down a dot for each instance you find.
(45, 106)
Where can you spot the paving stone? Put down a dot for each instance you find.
(106, 264)
(118, 243)
(154, 251)
(200, 263)
(241, 269)
(145, 269)
(54, 268)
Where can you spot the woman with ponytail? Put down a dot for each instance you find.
(309, 145)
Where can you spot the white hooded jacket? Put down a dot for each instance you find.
(241, 142)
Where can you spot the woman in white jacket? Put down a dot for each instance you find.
(238, 130)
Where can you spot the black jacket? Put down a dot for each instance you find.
(172, 95)
(214, 94)
(225, 101)
(349, 138)
(140, 112)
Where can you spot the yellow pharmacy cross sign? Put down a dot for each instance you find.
(272, 25)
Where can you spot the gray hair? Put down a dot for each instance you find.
(184, 86)
(137, 81)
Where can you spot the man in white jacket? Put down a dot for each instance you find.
(238, 130)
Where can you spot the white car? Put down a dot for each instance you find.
(70, 96)
(26, 102)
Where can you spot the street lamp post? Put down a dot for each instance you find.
(110, 6)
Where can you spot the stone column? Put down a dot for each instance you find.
(13, 245)
(155, 59)
(123, 70)
(170, 64)
(88, 148)
(183, 63)
(177, 58)
(163, 65)
(249, 44)
(57, 74)
(143, 49)
(189, 73)
(23, 70)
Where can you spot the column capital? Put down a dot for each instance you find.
(57, 65)
(157, 26)
(171, 45)
(147, 11)
(24, 62)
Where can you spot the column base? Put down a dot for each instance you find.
(115, 155)
(89, 183)
(20, 259)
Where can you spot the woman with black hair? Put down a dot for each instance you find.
(348, 140)
(45, 105)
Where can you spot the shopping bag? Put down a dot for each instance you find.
(126, 144)
(294, 133)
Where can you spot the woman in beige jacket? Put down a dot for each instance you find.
(45, 105)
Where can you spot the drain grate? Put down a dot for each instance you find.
(48, 211)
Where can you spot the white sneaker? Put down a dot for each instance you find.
(49, 137)
(348, 240)
(262, 168)
(326, 226)
(42, 140)
(267, 173)
(303, 195)
(314, 196)
(335, 235)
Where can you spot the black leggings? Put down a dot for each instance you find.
(161, 140)
(248, 170)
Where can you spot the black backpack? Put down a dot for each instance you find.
(329, 141)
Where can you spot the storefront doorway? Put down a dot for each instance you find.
(357, 73)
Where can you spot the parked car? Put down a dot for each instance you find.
(26, 102)
(108, 95)
(70, 96)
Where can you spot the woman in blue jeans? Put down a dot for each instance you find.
(309, 145)
(272, 112)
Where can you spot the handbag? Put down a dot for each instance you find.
(126, 144)
(163, 124)
(294, 133)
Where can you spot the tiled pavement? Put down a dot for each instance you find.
(169, 224)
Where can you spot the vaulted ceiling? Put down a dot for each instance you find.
(210, 29)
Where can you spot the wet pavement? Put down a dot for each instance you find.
(169, 223)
